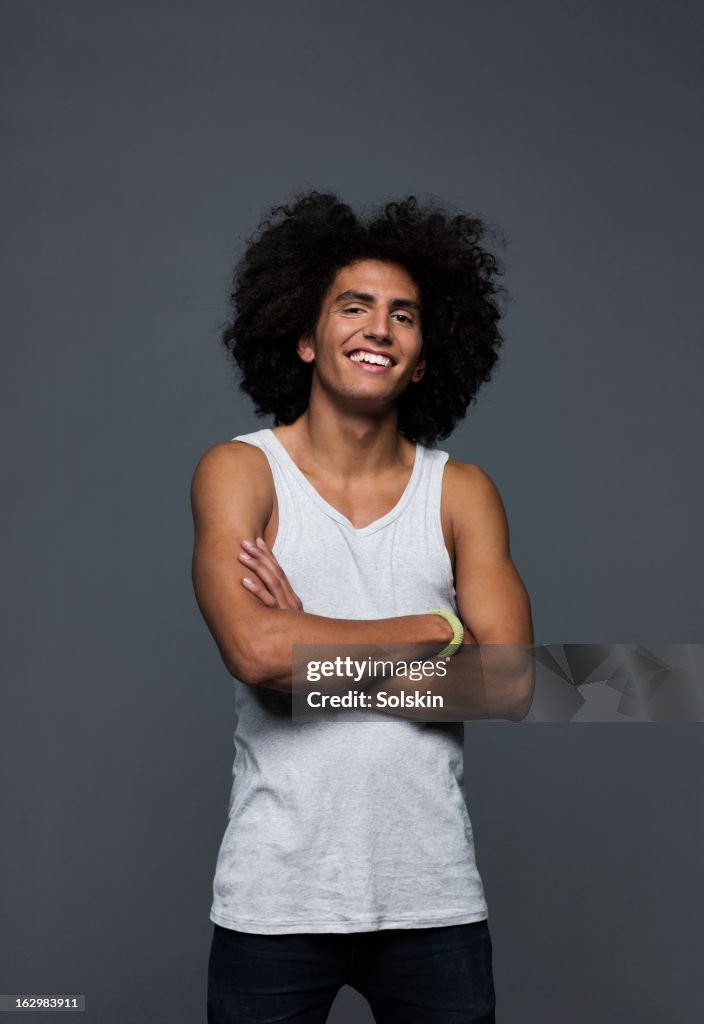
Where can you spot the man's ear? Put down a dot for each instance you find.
(419, 371)
(305, 349)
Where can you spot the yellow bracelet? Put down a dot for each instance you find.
(457, 632)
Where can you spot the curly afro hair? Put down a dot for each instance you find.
(291, 262)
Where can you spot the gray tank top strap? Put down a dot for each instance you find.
(286, 486)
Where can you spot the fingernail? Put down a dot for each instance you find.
(244, 557)
(247, 544)
(260, 542)
(246, 579)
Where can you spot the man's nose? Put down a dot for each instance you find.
(379, 324)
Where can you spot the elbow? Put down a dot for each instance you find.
(509, 677)
(245, 667)
(518, 711)
(247, 671)
(522, 697)
(250, 662)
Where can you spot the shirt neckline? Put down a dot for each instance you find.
(334, 513)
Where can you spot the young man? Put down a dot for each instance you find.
(348, 856)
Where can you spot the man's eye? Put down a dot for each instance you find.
(404, 316)
(353, 309)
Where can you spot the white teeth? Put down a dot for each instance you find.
(370, 357)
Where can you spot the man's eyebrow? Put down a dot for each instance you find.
(365, 297)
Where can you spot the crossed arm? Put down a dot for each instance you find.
(255, 623)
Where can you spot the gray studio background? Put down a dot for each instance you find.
(143, 141)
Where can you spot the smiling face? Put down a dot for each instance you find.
(367, 342)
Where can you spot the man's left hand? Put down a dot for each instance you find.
(270, 584)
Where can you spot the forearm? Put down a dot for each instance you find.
(493, 681)
(265, 656)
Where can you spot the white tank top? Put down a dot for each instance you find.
(349, 826)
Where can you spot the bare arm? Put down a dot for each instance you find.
(491, 597)
(232, 499)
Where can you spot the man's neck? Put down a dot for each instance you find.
(344, 443)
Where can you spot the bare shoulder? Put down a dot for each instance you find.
(473, 510)
(231, 457)
(467, 484)
(232, 475)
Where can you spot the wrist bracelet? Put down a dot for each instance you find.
(457, 632)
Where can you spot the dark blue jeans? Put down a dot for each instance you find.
(408, 975)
